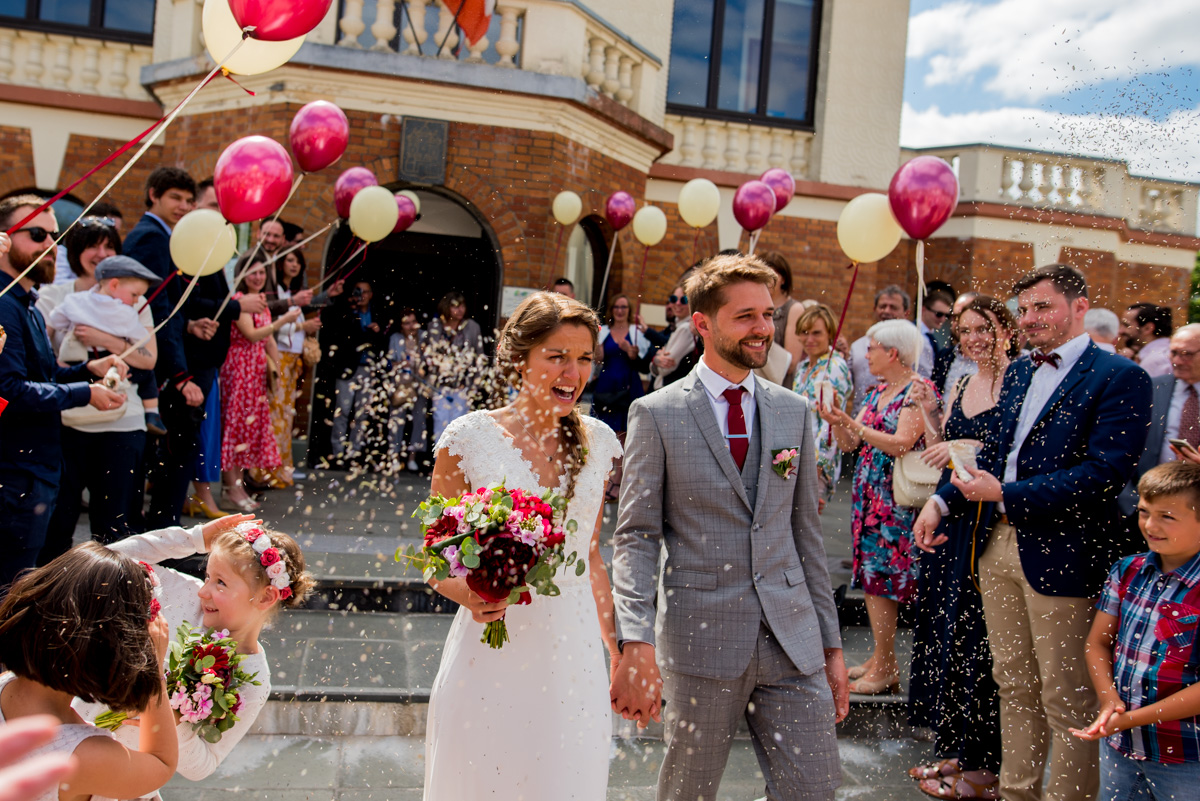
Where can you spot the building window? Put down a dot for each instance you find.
(745, 58)
(125, 20)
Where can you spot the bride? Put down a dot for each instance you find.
(530, 721)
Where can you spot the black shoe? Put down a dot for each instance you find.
(155, 424)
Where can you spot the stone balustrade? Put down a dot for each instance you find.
(543, 36)
(1063, 182)
(73, 64)
(737, 146)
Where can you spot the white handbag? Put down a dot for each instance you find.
(89, 415)
(913, 481)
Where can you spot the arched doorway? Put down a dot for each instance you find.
(449, 248)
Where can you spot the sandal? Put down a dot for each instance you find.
(933, 770)
(888, 684)
(958, 786)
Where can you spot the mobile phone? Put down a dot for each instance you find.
(1182, 444)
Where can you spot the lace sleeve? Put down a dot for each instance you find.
(603, 445)
(467, 439)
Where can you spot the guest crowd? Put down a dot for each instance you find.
(1010, 459)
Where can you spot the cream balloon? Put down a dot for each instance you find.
(699, 202)
(222, 34)
(866, 229)
(202, 242)
(567, 207)
(411, 195)
(649, 225)
(373, 213)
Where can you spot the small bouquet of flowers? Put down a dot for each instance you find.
(506, 543)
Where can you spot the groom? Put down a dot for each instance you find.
(744, 624)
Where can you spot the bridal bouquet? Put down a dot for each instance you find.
(506, 543)
(204, 682)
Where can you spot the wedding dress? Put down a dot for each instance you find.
(529, 721)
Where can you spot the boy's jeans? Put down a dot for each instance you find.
(1126, 779)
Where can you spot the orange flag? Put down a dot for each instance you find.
(474, 17)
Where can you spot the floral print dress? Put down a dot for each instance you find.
(247, 438)
(885, 555)
(837, 372)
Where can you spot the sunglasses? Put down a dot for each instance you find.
(676, 298)
(97, 222)
(940, 315)
(36, 233)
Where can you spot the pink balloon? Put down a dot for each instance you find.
(252, 179)
(279, 20)
(619, 209)
(753, 205)
(319, 135)
(782, 183)
(923, 194)
(408, 213)
(348, 184)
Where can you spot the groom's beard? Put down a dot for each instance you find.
(735, 353)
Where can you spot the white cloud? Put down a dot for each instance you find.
(1031, 49)
(1169, 148)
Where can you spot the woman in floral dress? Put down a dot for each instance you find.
(888, 425)
(247, 438)
(821, 363)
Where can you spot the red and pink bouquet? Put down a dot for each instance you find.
(506, 543)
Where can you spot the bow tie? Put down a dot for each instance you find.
(1039, 358)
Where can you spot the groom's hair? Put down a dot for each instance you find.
(705, 287)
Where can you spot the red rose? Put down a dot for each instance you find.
(221, 663)
(502, 566)
(284, 594)
(254, 534)
(155, 608)
(269, 557)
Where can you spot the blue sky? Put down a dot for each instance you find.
(1109, 78)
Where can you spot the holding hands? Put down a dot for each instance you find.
(636, 691)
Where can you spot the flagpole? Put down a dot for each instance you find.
(453, 25)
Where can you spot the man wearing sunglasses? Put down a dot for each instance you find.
(37, 390)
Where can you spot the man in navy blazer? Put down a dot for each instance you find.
(1069, 443)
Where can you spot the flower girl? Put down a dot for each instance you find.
(86, 625)
(251, 574)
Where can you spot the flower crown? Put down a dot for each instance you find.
(269, 557)
(156, 590)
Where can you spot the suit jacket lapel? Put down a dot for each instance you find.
(765, 421)
(1017, 385)
(1081, 368)
(702, 412)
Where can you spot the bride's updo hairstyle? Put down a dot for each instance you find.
(539, 316)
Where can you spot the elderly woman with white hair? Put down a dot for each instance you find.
(1103, 326)
(887, 426)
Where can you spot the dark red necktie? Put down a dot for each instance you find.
(1189, 418)
(739, 441)
(1038, 358)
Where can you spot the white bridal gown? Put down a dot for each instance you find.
(529, 721)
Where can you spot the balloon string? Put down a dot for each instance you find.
(339, 264)
(920, 278)
(179, 305)
(166, 123)
(162, 285)
(612, 250)
(641, 278)
(363, 250)
(233, 80)
(557, 247)
(753, 241)
(841, 322)
(695, 243)
(250, 265)
(283, 253)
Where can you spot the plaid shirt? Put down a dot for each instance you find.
(1155, 653)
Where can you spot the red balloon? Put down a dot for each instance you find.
(279, 20)
(923, 194)
(782, 183)
(319, 135)
(753, 205)
(348, 185)
(619, 209)
(408, 213)
(252, 179)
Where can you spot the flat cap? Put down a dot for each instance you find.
(125, 267)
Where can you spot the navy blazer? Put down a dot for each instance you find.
(1071, 469)
(150, 243)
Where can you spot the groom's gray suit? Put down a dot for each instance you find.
(745, 608)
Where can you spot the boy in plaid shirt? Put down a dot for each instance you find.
(1142, 651)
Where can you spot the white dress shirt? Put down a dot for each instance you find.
(864, 380)
(1174, 413)
(1155, 357)
(715, 385)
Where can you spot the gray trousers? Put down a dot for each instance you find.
(349, 397)
(792, 726)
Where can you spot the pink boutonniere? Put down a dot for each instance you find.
(783, 461)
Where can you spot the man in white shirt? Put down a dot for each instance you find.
(1147, 328)
(891, 303)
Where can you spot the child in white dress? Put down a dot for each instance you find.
(85, 625)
